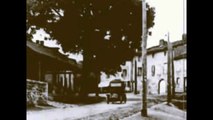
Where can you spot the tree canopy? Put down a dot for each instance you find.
(107, 31)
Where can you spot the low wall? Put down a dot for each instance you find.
(37, 93)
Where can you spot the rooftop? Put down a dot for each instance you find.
(159, 48)
(52, 53)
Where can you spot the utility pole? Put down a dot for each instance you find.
(169, 76)
(173, 77)
(136, 81)
(144, 59)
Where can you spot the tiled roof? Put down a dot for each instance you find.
(159, 48)
(52, 53)
(180, 56)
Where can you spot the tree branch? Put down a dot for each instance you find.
(57, 12)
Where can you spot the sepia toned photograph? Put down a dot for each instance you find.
(106, 59)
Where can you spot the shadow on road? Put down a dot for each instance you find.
(82, 100)
(133, 99)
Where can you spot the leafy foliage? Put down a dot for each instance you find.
(81, 25)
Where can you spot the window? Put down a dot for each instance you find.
(165, 53)
(153, 70)
(139, 71)
(48, 77)
(165, 68)
(177, 82)
(139, 59)
(108, 76)
(153, 54)
(124, 73)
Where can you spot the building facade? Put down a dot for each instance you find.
(157, 59)
(47, 65)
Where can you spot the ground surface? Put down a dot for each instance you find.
(104, 111)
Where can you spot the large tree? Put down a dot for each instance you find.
(83, 25)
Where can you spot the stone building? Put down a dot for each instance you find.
(157, 68)
(47, 65)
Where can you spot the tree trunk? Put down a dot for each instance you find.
(85, 73)
(91, 74)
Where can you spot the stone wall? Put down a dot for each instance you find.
(157, 72)
(37, 93)
(180, 74)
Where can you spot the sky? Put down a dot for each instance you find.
(169, 18)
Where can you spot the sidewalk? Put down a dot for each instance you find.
(160, 112)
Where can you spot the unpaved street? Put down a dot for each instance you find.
(76, 112)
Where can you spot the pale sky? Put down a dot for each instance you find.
(169, 17)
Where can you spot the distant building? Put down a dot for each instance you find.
(157, 68)
(48, 65)
(180, 64)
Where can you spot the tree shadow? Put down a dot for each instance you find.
(81, 100)
(134, 99)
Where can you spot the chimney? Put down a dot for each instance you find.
(184, 37)
(162, 43)
(37, 41)
(42, 43)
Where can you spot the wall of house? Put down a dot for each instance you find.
(157, 72)
(37, 92)
(180, 68)
(32, 65)
(125, 75)
(138, 73)
(159, 61)
(67, 81)
(126, 71)
(64, 83)
(106, 79)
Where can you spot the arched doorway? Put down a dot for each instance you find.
(161, 86)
